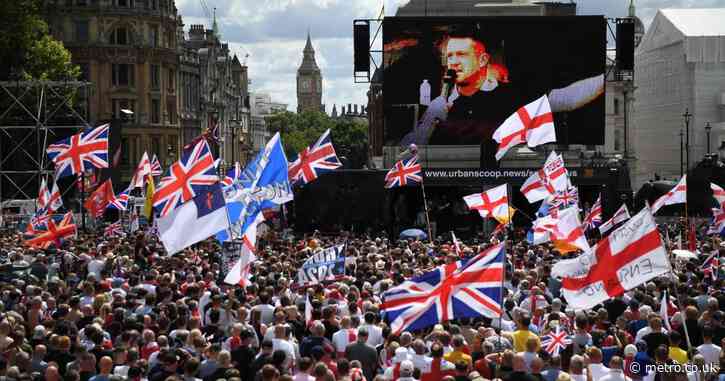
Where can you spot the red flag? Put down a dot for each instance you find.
(98, 200)
(692, 239)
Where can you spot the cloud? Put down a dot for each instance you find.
(273, 33)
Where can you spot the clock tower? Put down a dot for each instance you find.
(309, 81)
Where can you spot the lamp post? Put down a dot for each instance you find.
(681, 152)
(707, 130)
(687, 116)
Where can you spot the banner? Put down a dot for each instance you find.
(328, 264)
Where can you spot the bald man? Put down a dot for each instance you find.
(105, 366)
(520, 372)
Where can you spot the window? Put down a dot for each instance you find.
(122, 74)
(121, 36)
(154, 4)
(125, 154)
(81, 3)
(154, 36)
(171, 111)
(170, 84)
(617, 140)
(82, 31)
(155, 77)
(119, 104)
(616, 106)
(124, 3)
(85, 71)
(155, 111)
(156, 145)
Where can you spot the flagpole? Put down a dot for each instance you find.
(425, 207)
(679, 305)
(83, 199)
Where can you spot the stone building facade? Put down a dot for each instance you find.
(137, 57)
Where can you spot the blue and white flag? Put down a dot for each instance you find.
(263, 184)
(328, 264)
(194, 221)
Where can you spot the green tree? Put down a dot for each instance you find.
(298, 131)
(27, 51)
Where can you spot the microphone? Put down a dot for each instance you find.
(448, 83)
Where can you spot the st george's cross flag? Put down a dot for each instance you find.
(80, 152)
(43, 195)
(556, 341)
(532, 124)
(240, 272)
(566, 231)
(404, 172)
(491, 203)
(594, 217)
(630, 256)
(545, 182)
(467, 288)
(55, 200)
(313, 161)
(676, 195)
(143, 169)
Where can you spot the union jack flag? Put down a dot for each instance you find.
(711, 265)
(191, 174)
(52, 233)
(80, 152)
(156, 166)
(565, 199)
(120, 201)
(313, 161)
(556, 341)
(404, 172)
(234, 174)
(594, 218)
(114, 229)
(470, 287)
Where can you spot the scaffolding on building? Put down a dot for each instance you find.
(34, 114)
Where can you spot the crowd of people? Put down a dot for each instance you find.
(106, 308)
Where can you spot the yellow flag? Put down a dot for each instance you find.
(505, 218)
(564, 247)
(148, 205)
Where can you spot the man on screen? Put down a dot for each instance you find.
(477, 97)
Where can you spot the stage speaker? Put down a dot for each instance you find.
(625, 45)
(114, 146)
(361, 44)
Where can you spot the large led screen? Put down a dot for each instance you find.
(453, 81)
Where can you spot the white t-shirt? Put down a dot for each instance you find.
(95, 267)
(375, 334)
(710, 352)
(598, 371)
(267, 313)
(303, 377)
(289, 350)
(344, 337)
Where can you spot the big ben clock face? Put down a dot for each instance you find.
(305, 84)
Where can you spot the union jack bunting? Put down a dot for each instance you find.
(314, 161)
(404, 172)
(594, 218)
(80, 152)
(467, 288)
(556, 341)
(188, 176)
(52, 233)
(234, 174)
(114, 229)
(156, 167)
(120, 201)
